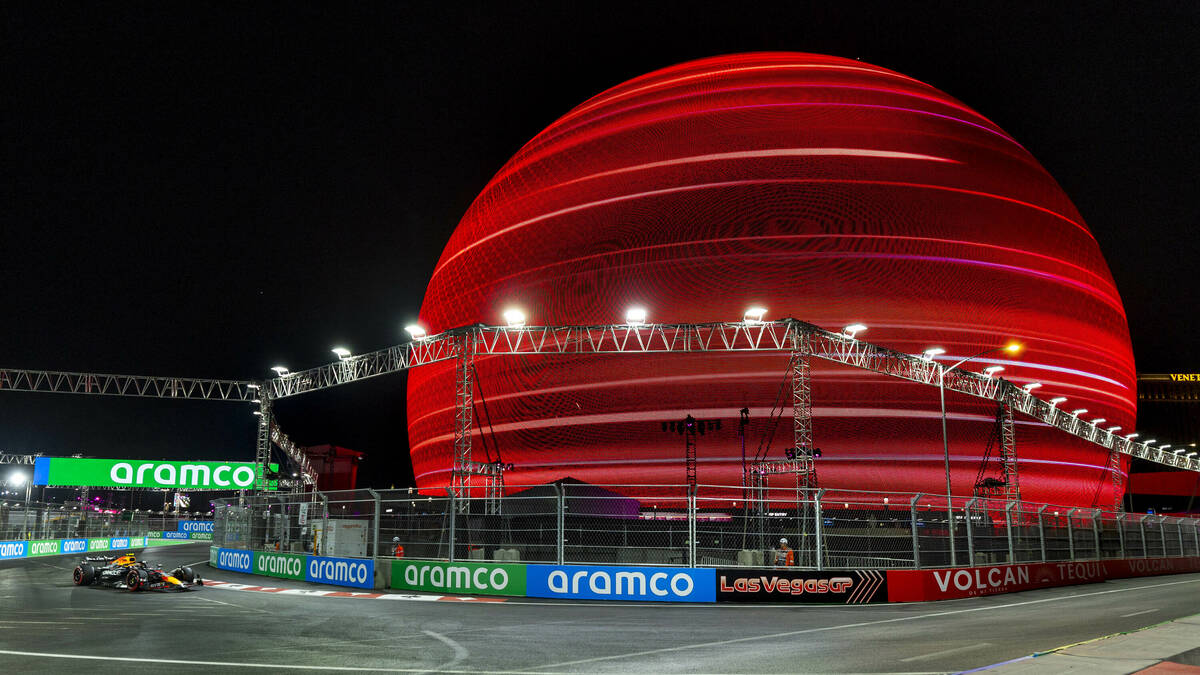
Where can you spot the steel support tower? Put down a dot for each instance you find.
(465, 472)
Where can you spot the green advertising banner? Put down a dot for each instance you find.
(206, 536)
(467, 578)
(212, 555)
(44, 547)
(71, 471)
(98, 544)
(282, 565)
(154, 535)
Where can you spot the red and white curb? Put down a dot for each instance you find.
(230, 586)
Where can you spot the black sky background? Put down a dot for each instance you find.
(208, 190)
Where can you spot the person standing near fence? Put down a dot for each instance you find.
(784, 556)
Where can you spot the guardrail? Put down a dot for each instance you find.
(709, 526)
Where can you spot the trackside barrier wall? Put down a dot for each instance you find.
(28, 549)
(946, 584)
(353, 572)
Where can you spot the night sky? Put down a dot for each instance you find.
(209, 190)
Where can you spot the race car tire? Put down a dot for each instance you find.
(184, 574)
(134, 580)
(84, 575)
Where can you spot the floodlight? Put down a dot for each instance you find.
(252, 386)
(853, 329)
(1132, 436)
(256, 412)
(1179, 451)
(754, 315)
(1164, 447)
(1078, 411)
(17, 479)
(635, 316)
(1098, 421)
(342, 353)
(256, 400)
(1190, 454)
(1152, 441)
(1057, 399)
(1014, 347)
(1031, 386)
(1113, 429)
(281, 371)
(415, 331)
(515, 318)
(928, 354)
(992, 370)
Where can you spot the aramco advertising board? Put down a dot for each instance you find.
(131, 473)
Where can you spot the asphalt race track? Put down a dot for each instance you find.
(220, 630)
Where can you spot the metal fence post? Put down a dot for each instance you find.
(1162, 534)
(1071, 533)
(1196, 535)
(820, 547)
(1042, 531)
(970, 532)
(1096, 532)
(375, 529)
(916, 543)
(560, 526)
(1142, 527)
(1008, 526)
(453, 505)
(1179, 531)
(691, 526)
(1121, 532)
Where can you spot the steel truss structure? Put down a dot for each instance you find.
(784, 335)
(13, 458)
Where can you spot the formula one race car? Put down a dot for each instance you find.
(129, 573)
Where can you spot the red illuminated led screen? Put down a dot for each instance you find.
(825, 189)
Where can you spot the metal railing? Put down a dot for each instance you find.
(707, 526)
(38, 520)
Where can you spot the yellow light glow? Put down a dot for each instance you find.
(1014, 347)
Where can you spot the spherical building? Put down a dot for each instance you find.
(825, 189)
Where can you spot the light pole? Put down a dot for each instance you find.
(929, 354)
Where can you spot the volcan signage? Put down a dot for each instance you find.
(70, 471)
(851, 587)
(466, 578)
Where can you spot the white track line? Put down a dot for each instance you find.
(773, 636)
(460, 652)
(1145, 611)
(945, 652)
(234, 664)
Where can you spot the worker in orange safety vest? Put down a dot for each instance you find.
(784, 556)
(399, 550)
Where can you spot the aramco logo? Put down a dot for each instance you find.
(338, 571)
(234, 560)
(456, 578)
(186, 475)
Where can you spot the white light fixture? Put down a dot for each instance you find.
(281, 371)
(1132, 436)
(1179, 450)
(928, 354)
(252, 386)
(635, 316)
(17, 479)
(1164, 447)
(342, 353)
(1098, 421)
(1057, 399)
(1113, 429)
(1152, 441)
(754, 315)
(256, 400)
(1031, 386)
(1190, 454)
(853, 329)
(256, 412)
(415, 331)
(1078, 411)
(992, 370)
(515, 318)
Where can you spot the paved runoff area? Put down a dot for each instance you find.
(253, 624)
